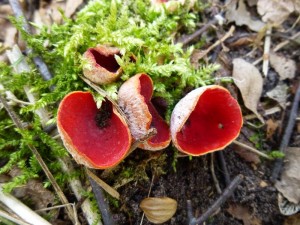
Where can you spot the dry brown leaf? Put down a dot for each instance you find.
(276, 11)
(290, 177)
(250, 82)
(271, 128)
(159, 210)
(237, 12)
(292, 220)
(247, 155)
(286, 68)
(49, 13)
(71, 7)
(279, 94)
(243, 213)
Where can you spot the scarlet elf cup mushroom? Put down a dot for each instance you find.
(134, 98)
(96, 138)
(206, 120)
(102, 67)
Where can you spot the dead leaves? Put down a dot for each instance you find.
(243, 213)
(250, 83)
(237, 12)
(158, 210)
(286, 68)
(277, 11)
(290, 178)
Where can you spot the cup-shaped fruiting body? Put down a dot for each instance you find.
(96, 138)
(102, 67)
(134, 98)
(206, 120)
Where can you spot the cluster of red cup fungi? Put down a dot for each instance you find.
(207, 119)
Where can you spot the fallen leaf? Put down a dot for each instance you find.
(292, 220)
(286, 207)
(276, 11)
(248, 156)
(49, 12)
(286, 68)
(243, 213)
(290, 177)
(250, 83)
(237, 12)
(71, 7)
(279, 94)
(159, 210)
(271, 128)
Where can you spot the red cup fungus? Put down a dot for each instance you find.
(206, 120)
(96, 138)
(134, 98)
(102, 66)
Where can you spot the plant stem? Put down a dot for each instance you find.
(35, 152)
(41, 66)
(213, 208)
(287, 135)
(21, 210)
(252, 150)
(102, 203)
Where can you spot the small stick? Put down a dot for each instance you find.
(49, 175)
(42, 67)
(12, 218)
(224, 168)
(186, 40)
(218, 42)
(212, 169)
(151, 184)
(278, 47)
(103, 185)
(21, 209)
(102, 203)
(287, 135)
(254, 150)
(266, 55)
(214, 207)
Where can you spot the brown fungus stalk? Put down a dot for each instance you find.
(96, 138)
(206, 120)
(134, 98)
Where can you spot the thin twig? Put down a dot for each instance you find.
(186, 40)
(42, 67)
(214, 207)
(278, 47)
(222, 162)
(23, 211)
(267, 45)
(287, 135)
(212, 169)
(149, 192)
(218, 42)
(49, 175)
(12, 218)
(102, 203)
(103, 185)
(254, 150)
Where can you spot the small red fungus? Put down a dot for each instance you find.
(207, 119)
(96, 138)
(103, 67)
(134, 98)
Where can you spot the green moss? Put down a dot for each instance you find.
(132, 26)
